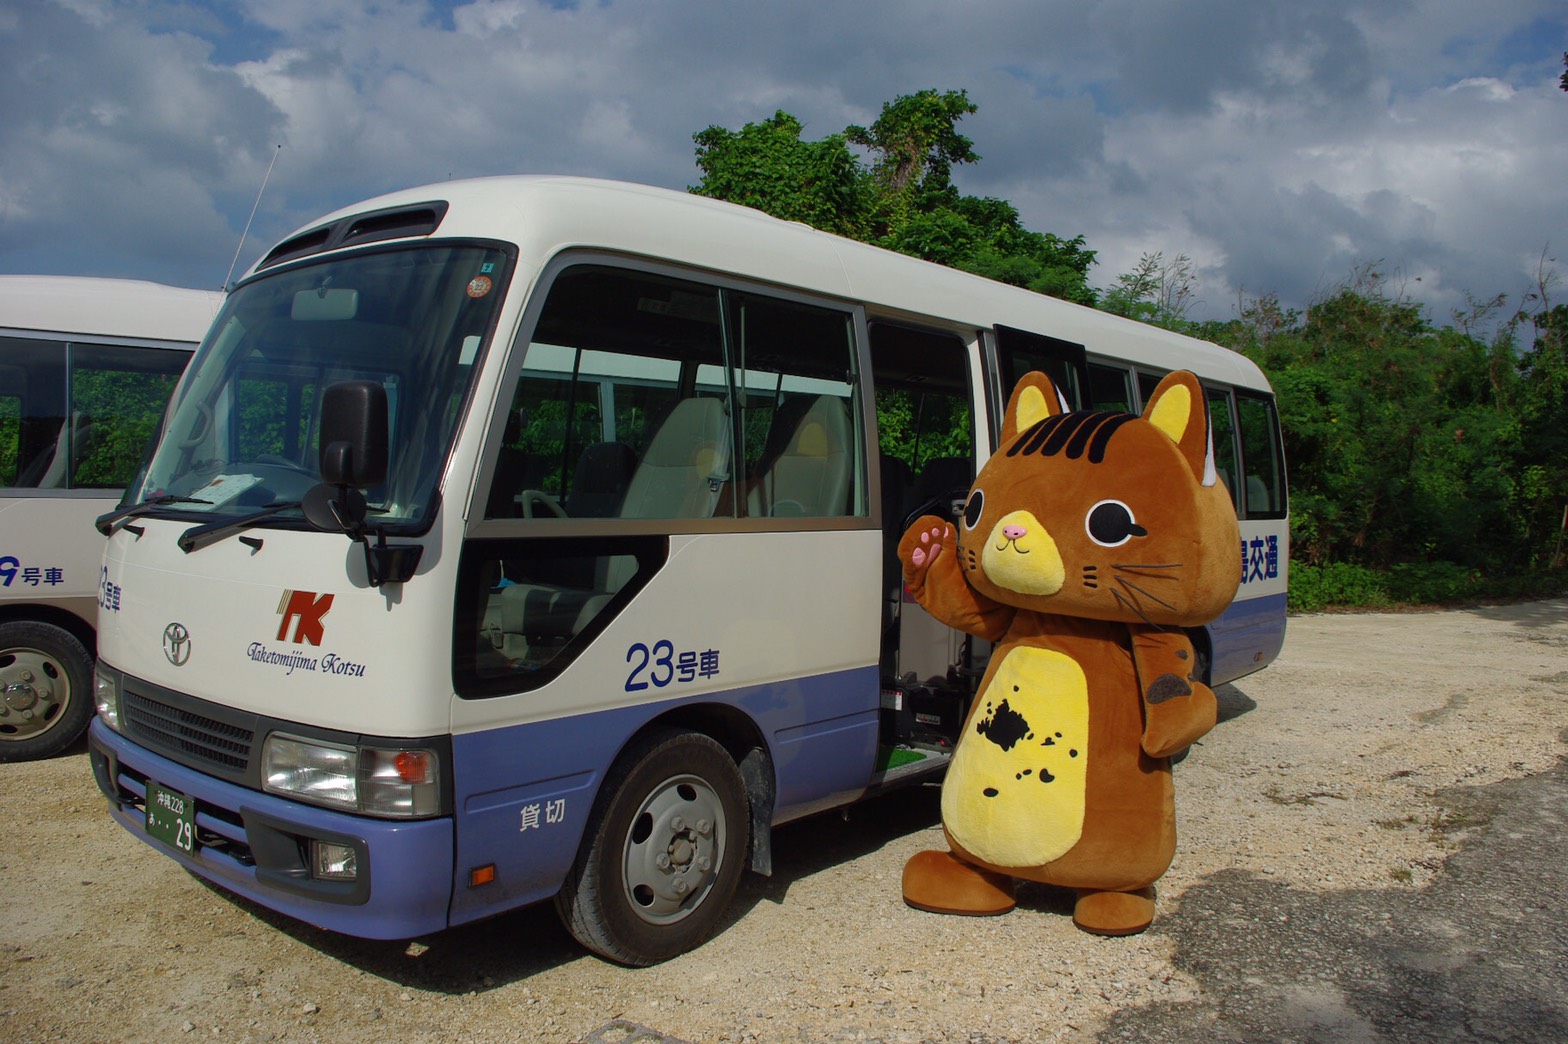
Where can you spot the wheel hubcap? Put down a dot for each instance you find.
(33, 689)
(673, 849)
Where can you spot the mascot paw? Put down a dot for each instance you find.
(940, 883)
(931, 547)
(1114, 913)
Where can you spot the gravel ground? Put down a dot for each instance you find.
(1326, 775)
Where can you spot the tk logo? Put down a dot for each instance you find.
(308, 608)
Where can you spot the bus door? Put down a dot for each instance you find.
(925, 397)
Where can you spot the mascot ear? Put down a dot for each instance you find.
(1034, 399)
(1179, 408)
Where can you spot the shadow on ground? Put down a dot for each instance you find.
(1481, 953)
(514, 946)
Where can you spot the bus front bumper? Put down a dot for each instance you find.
(258, 846)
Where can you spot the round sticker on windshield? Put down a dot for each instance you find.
(479, 286)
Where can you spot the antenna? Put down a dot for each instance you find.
(229, 280)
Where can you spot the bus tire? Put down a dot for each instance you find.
(663, 852)
(46, 696)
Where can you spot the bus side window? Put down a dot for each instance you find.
(627, 358)
(117, 396)
(1224, 432)
(36, 377)
(796, 384)
(1020, 352)
(1264, 482)
(1147, 382)
(1109, 388)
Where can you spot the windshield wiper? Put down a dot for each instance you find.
(114, 520)
(198, 537)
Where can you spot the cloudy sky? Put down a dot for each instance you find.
(1278, 143)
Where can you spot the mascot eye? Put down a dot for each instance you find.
(973, 508)
(1110, 524)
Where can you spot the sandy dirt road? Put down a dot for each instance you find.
(1331, 774)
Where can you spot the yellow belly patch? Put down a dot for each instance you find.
(1014, 794)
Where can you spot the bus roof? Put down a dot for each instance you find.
(86, 305)
(546, 214)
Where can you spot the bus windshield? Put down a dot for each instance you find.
(243, 431)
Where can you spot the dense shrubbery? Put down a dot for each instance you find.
(1344, 585)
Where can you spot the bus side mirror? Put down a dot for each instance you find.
(353, 458)
(354, 434)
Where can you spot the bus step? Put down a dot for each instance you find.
(903, 763)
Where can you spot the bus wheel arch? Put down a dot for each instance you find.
(663, 852)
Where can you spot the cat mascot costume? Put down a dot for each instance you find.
(1089, 540)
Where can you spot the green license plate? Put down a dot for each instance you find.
(171, 817)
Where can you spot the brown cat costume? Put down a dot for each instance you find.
(1090, 539)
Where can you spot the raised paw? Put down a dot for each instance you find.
(930, 546)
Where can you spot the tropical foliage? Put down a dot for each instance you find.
(897, 192)
(1427, 462)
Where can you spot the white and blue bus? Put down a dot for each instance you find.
(532, 538)
(86, 369)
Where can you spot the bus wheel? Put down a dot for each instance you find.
(46, 697)
(663, 851)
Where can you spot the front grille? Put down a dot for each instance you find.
(191, 737)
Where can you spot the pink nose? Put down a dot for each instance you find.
(1015, 532)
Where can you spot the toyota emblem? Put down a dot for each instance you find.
(177, 644)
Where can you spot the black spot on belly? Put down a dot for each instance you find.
(1046, 777)
(1004, 728)
(990, 792)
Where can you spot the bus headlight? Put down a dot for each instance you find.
(106, 696)
(398, 782)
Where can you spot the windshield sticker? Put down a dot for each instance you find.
(479, 286)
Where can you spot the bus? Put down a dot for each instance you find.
(86, 369)
(532, 539)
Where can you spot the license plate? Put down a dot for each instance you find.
(171, 817)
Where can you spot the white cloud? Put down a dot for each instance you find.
(1275, 143)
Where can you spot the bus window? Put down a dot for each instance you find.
(117, 393)
(1020, 352)
(634, 397)
(925, 423)
(621, 407)
(1108, 387)
(1147, 382)
(37, 371)
(633, 390)
(1224, 433)
(795, 377)
(1264, 483)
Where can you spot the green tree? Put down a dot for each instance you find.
(1403, 440)
(767, 166)
(1156, 291)
(900, 197)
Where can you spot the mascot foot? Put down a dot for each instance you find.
(940, 883)
(1111, 913)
